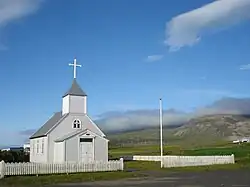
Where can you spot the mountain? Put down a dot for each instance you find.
(224, 120)
(197, 131)
(215, 127)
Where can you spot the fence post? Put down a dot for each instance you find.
(163, 162)
(233, 160)
(2, 169)
(122, 164)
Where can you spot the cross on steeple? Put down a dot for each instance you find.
(75, 65)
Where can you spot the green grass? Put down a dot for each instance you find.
(241, 153)
(142, 168)
(71, 178)
(242, 150)
(144, 150)
(155, 166)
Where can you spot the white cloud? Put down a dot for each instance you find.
(9, 138)
(140, 119)
(137, 119)
(14, 9)
(153, 58)
(187, 29)
(245, 67)
(11, 10)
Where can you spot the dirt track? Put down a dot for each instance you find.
(233, 178)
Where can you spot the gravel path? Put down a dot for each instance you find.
(235, 178)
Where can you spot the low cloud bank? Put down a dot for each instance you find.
(139, 119)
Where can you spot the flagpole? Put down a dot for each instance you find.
(161, 133)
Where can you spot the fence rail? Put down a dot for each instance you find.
(146, 158)
(182, 161)
(54, 168)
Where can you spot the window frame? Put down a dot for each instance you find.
(37, 146)
(76, 124)
(42, 151)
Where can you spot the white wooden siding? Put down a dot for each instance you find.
(101, 149)
(59, 153)
(71, 146)
(38, 150)
(65, 105)
(36, 168)
(78, 104)
(66, 126)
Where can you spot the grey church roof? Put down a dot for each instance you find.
(74, 133)
(75, 90)
(48, 125)
(70, 135)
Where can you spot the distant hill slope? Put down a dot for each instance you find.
(201, 130)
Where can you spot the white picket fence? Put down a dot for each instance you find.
(182, 161)
(56, 168)
(146, 158)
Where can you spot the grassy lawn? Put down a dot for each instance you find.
(141, 168)
(71, 178)
(155, 166)
(241, 152)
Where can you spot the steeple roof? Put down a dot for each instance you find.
(75, 90)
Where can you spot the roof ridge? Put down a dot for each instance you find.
(57, 116)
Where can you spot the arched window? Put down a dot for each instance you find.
(76, 124)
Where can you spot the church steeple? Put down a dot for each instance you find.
(75, 89)
(75, 99)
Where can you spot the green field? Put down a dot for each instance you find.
(241, 153)
(141, 168)
(239, 150)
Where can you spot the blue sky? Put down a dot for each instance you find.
(132, 52)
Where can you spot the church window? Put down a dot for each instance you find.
(42, 145)
(33, 147)
(37, 147)
(76, 124)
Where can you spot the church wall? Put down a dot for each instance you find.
(78, 104)
(59, 152)
(65, 105)
(51, 148)
(101, 149)
(38, 150)
(66, 127)
(72, 149)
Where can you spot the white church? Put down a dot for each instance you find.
(69, 135)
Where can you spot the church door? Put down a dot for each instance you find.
(86, 150)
